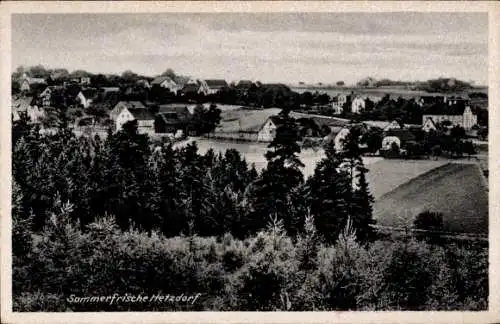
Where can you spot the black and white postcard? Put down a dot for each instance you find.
(249, 162)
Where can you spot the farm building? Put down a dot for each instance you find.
(428, 100)
(113, 114)
(429, 125)
(86, 96)
(172, 118)
(166, 83)
(358, 105)
(191, 88)
(385, 125)
(46, 95)
(339, 101)
(208, 87)
(145, 120)
(28, 84)
(458, 115)
(22, 105)
(259, 124)
(397, 136)
(268, 130)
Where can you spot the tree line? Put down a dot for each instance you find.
(178, 190)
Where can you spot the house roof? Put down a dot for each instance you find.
(382, 123)
(21, 104)
(149, 103)
(213, 83)
(276, 86)
(276, 119)
(37, 87)
(89, 93)
(142, 82)
(161, 79)
(190, 87)
(133, 104)
(438, 109)
(170, 118)
(109, 89)
(245, 84)
(36, 80)
(181, 111)
(141, 114)
(403, 134)
(430, 120)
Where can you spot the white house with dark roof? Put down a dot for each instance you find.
(46, 95)
(208, 87)
(456, 115)
(86, 96)
(113, 114)
(26, 83)
(145, 119)
(429, 125)
(166, 83)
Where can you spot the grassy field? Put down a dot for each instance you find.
(386, 175)
(456, 190)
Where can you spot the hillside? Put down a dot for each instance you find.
(386, 175)
(456, 190)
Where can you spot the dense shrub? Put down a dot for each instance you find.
(265, 272)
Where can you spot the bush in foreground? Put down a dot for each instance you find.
(269, 271)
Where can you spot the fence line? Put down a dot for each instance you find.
(443, 234)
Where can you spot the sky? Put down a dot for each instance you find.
(269, 47)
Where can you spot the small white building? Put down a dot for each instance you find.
(26, 82)
(429, 125)
(358, 105)
(388, 141)
(166, 83)
(208, 87)
(339, 101)
(145, 120)
(397, 136)
(268, 130)
(86, 96)
(117, 109)
(340, 138)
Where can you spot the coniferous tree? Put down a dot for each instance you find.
(126, 173)
(358, 197)
(329, 192)
(362, 206)
(272, 194)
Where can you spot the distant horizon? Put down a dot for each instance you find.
(270, 47)
(229, 80)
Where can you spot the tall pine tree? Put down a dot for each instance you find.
(274, 193)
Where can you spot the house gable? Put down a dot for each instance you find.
(429, 125)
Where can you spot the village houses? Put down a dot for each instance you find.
(339, 101)
(27, 83)
(46, 95)
(456, 115)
